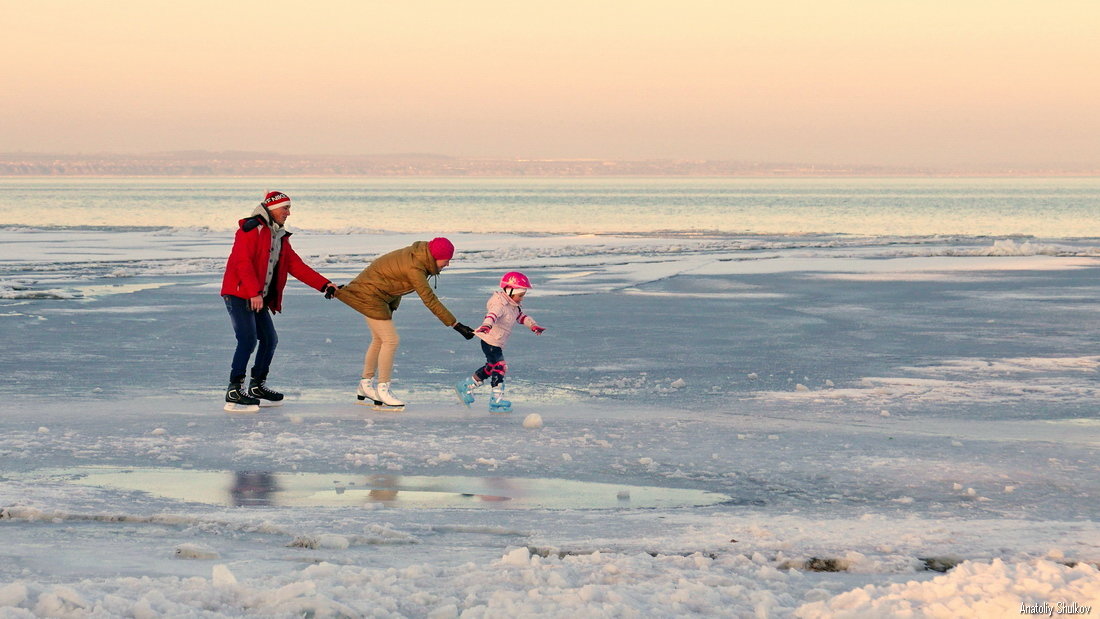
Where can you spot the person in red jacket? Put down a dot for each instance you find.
(252, 288)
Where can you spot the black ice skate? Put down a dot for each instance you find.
(238, 401)
(265, 397)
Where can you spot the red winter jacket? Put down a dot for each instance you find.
(247, 265)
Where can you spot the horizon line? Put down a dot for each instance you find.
(235, 163)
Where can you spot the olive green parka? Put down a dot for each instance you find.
(377, 291)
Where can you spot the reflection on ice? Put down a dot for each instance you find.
(253, 488)
(262, 488)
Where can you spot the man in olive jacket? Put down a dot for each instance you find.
(376, 293)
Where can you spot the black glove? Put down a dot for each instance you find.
(466, 332)
(330, 290)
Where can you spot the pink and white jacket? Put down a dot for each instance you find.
(501, 314)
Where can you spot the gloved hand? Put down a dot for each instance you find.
(537, 329)
(330, 290)
(483, 329)
(465, 331)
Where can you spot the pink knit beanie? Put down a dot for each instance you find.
(441, 248)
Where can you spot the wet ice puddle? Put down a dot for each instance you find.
(263, 488)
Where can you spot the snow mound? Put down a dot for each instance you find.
(1009, 247)
(972, 589)
(325, 540)
(13, 594)
(23, 289)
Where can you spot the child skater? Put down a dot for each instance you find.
(502, 312)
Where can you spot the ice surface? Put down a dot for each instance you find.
(884, 407)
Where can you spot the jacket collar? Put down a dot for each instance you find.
(262, 212)
(507, 299)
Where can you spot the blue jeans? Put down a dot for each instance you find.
(251, 327)
(494, 368)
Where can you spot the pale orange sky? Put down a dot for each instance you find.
(892, 82)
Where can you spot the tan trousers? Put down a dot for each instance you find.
(383, 346)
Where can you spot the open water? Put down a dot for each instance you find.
(1019, 207)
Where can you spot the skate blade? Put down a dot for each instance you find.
(230, 407)
(388, 409)
(366, 402)
(267, 404)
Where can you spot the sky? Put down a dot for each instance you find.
(865, 82)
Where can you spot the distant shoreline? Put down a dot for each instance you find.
(239, 164)
(944, 176)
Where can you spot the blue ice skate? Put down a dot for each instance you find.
(497, 403)
(464, 388)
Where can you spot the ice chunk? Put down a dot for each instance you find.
(330, 540)
(447, 611)
(222, 577)
(520, 557)
(13, 594)
(195, 551)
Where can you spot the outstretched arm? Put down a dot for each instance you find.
(529, 322)
(432, 302)
(302, 271)
(487, 323)
(493, 309)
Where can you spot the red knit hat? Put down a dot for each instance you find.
(276, 199)
(441, 248)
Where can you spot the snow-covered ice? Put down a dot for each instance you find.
(904, 427)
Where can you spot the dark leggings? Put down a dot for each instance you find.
(494, 364)
(251, 327)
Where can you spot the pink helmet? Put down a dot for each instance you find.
(515, 279)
